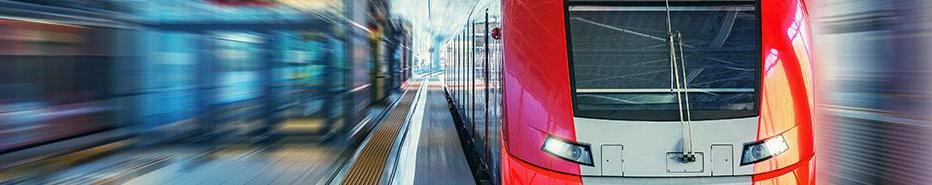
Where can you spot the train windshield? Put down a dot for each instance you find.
(621, 60)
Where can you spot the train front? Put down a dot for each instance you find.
(658, 92)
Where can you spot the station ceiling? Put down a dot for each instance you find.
(438, 17)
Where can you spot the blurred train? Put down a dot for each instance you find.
(635, 91)
(53, 82)
(83, 76)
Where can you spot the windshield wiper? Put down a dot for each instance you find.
(687, 155)
(689, 124)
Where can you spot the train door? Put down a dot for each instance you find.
(299, 83)
(378, 67)
(235, 81)
(467, 79)
(461, 55)
(169, 84)
(495, 95)
(473, 75)
(179, 82)
(482, 83)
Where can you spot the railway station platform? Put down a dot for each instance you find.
(412, 140)
(461, 92)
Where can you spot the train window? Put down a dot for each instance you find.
(621, 59)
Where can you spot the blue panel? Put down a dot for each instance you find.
(168, 79)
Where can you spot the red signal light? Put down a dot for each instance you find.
(496, 33)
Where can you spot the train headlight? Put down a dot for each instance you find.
(575, 152)
(763, 150)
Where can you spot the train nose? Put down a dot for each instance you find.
(656, 149)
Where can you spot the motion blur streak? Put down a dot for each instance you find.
(874, 68)
(122, 88)
(285, 91)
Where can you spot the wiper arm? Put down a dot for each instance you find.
(689, 124)
(687, 156)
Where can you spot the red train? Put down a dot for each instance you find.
(636, 91)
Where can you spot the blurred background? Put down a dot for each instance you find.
(198, 79)
(875, 71)
(194, 80)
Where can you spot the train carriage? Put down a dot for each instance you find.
(636, 91)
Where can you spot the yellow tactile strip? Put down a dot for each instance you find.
(371, 161)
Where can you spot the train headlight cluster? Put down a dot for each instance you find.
(763, 150)
(575, 152)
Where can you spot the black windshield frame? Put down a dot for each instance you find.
(662, 115)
